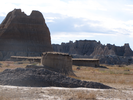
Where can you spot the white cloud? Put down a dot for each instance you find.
(70, 8)
(129, 8)
(65, 37)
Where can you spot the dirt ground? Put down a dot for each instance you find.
(119, 77)
(57, 93)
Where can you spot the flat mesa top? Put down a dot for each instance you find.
(85, 59)
(24, 57)
(56, 53)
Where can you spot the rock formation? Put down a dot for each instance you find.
(42, 77)
(23, 35)
(94, 49)
(59, 62)
(81, 47)
(85, 62)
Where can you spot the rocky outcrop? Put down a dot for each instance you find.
(24, 35)
(128, 51)
(102, 51)
(112, 54)
(81, 47)
(42, 77)
(113, 59)
(58, 62)
(93, 49)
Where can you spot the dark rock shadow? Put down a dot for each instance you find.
(44, 78)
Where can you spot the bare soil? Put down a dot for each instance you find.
(114, 76)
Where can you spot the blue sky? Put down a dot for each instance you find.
(108, 21)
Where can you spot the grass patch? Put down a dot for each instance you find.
(14, 64)
(109, 74)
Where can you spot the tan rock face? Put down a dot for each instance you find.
(59, 62)
(22, 33)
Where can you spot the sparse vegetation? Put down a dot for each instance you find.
(112, 75)
(73, 94)
(86, 96)
(106, 74)
(12, 64)
(109, 74)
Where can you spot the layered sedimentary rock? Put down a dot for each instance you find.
(23, 35)
(93, 49)
(81, 47)
(85, 62)
(59, 62)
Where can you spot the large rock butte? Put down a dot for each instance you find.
(23, 35)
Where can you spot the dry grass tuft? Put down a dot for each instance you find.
(86, 96)
(109, 74)
(4, 98)
(73, 94)
(14, 64)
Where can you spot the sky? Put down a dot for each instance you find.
(108, 21)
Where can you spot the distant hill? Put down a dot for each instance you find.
(94, 49)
